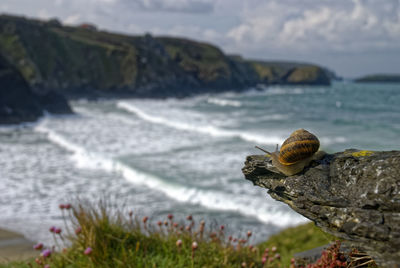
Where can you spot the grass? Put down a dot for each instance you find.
(102, 237)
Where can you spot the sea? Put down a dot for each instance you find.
(181, 156)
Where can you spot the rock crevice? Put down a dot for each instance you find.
(354, 195)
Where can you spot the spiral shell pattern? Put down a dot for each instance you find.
(300, 145)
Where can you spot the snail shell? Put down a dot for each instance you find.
(296, 152)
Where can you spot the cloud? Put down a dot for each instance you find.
(352, 26)
(72, 19)
(186, 6)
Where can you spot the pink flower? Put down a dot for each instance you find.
(170, 216)
(189, 217)
(38, 246)
(67, 206)
(222, 227)
(57, 230)
(194, 245)
(46, 266)
(78, 230)
(159, 223)
(52, 229)
(88, 251)
(264, 260)
(46, 253)
(179, 243)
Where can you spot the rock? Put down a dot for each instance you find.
(18, 103)
(354, 195)
(306, 75)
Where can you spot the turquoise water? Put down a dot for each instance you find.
(182, 156)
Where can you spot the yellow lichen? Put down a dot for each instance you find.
(362, 153)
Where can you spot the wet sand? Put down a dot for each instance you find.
(14, 246)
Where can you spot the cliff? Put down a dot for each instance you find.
(379, 78)
(82, 60)
(291, 73)
(18, 103)
(353, 195)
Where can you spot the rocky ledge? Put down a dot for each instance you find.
(354, 195)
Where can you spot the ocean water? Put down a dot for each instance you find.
(181, 156)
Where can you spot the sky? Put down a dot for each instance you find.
(351, 37)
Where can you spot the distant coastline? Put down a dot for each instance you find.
(379, 78)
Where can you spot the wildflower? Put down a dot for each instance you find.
(52, 229)
(78, 230)
(188, 228)
(38, 246)
(249, 233)
(251, 247)
(170, 216)
(179, 243)
(159, 223)
(292, 260)
(264, 260)
(61, 206)
(46, 266)
(244, 264)
(68, 206)
(130, 213)
(230, 238)
(88, 251)
(277, 256)
(145, 219)
(189, 217)
(46, 253)
(194, 245)
(273, 249)
(222, 227)
(165, 223)
(57, 230)
(38, 261)
(176, 224)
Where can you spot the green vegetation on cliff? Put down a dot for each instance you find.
(78, 60)
(379, 78)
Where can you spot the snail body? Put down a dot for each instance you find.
(296, 152)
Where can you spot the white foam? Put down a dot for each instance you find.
(334, 140)
(209, 130)
(254, 207)
(224, 102)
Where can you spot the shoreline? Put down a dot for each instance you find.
(15, 247)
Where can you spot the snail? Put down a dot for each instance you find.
(296, 152)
